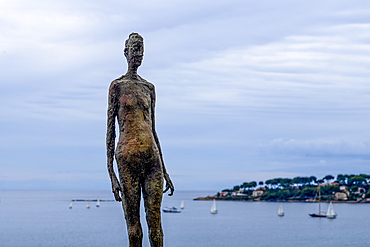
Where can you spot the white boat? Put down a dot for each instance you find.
(330, 213)
(182, 204)
(280, 211)
(88, 204)
(213, 208)
(70, 205)
(98, 203)
(171, 210)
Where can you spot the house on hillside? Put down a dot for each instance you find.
(359, 191)
(342, 196)
(343, 187)
(224, 193)
(238, 193)
(258, 192)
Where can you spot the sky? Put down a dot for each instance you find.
(246, 90)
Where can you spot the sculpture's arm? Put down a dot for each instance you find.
(169, 184)
(110, 141)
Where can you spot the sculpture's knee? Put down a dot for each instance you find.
(135, 235)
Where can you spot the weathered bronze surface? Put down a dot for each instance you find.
(138, 153)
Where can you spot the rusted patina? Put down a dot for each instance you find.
(138, 153)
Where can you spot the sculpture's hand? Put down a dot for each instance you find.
(116, 188)
(169, 184)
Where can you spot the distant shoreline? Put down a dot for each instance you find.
(210, 198)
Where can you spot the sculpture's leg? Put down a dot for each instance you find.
(131, 202)
(153, 191)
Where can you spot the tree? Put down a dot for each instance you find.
(268, 183)
(328, 190)
(253, 184)
(356, 180)
(260, 183)
(236, 187)
(367, 177)
(245, 185)
(328, 178)
(308, 192)
(286, 182)
(346, 176)
(274, 183)
(305, 180)
(341, 179)
(313, 179)
(354, 188)
(297, 181)
(320, 181)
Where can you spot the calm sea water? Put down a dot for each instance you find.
(43, 218)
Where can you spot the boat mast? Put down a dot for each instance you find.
(319, 199)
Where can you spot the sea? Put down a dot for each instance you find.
(43, 218)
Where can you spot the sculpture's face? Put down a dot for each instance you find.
(134, 52)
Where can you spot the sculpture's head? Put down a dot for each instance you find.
(134, 50)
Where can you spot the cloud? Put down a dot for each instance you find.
(318, 147)
(311, 63)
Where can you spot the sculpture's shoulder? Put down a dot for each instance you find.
(119, 83)
(114, 85)
(147, 83)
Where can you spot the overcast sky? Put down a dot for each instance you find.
(246, 90)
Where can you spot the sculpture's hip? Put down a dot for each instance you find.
(139, 157)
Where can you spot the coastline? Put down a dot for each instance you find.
(210, 198)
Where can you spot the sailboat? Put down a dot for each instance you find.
(88, 204)
(98, 203)
(330, 213)
(320, 214)
(182, 204)
(70, 205)
(213, 208)
(280, 211)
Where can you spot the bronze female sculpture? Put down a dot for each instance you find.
(138, 153)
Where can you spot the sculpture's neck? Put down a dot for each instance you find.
(131, 72)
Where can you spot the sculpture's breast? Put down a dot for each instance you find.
(135, 98)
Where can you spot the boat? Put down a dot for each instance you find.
(98, 203)
(280, 211)
(213, 208)
(171, 210)
(330, 214)
(182, 204)
(88, 204)
(70, 205)
(320, 214)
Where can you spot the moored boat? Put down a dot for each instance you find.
(171, 210)
(281, 211)
(213, 208)
(320, 214)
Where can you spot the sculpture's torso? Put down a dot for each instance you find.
(135, 101)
